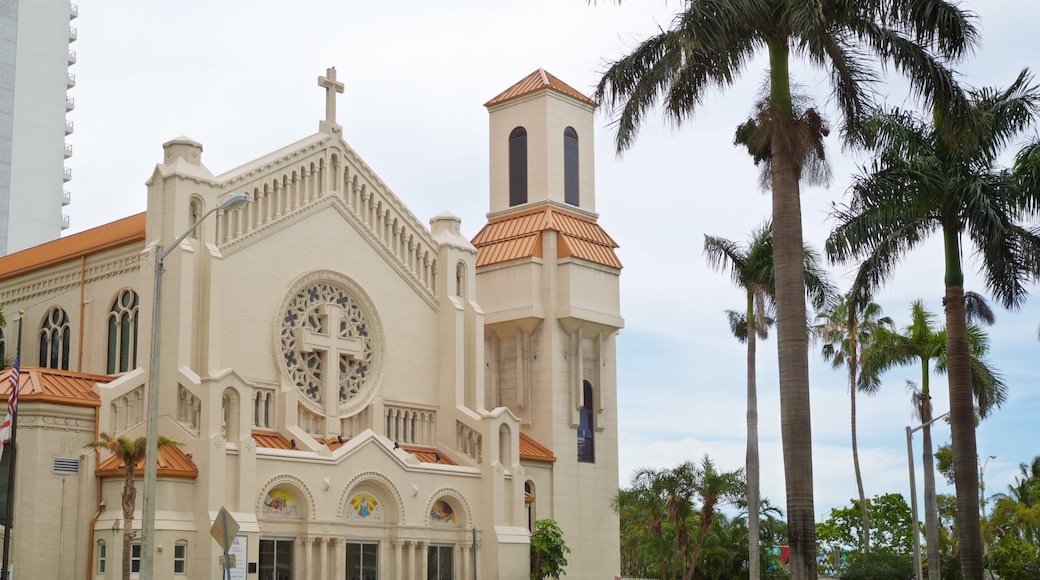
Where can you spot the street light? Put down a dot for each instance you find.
(151, 457)
(918, 570)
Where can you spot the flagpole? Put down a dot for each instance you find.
(13, 410)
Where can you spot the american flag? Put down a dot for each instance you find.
(12, 406)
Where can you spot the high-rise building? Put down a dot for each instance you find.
(34, 81)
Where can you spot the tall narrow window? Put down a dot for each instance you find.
(3, 346)
(362, 560)
(570, 166)
(122, 333)
(586, 444)
(180, 558)
(102, 556)
(518, 166)
(440, 565)
(276, 559)
(55, 338)
(135, 558)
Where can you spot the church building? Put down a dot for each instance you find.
(393, 401)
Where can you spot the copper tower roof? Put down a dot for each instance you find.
(536, 81)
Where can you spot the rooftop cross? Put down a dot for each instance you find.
(328, 82)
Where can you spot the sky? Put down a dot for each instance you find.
(240, 77)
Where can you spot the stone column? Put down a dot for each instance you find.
(308, 557)
(421, 559)
(398, 544)
(339, 568)
(300, 548)
(324, 549)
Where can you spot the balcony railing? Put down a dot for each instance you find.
(66, 197)
(73, 34)
(68, 127)
(67, 174)
(73, 11)
(70, 103)
(72, 80)
(68, 151)
(72, 57)
(64, 222)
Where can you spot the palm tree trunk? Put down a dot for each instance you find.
(962, 410)
(128, 499)
(864, 515)
(962, 432)
(792, 335)
(751, 461)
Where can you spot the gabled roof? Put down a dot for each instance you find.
(537, 81)
(53, 386)
(534, 451)
(274, 440)
(172, 462)
(111, 235)
(518, 236)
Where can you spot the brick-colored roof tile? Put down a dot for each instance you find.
(172, 462)
(536, 81)
(54, 386)
(534, 451)
(518, 236)
(271, 440)
(111, 235)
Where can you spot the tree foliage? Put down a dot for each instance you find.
(667, 514)
(548, 550)
(890, 521)
(709, 45)
(131, 454)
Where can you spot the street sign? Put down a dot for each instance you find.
(224, 529)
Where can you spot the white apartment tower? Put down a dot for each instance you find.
(34, 81)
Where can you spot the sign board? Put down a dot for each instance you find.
(224, 529)
(238, 552)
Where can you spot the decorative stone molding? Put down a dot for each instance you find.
(378, 481)
(293, 481)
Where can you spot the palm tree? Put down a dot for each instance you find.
(708, 45)
(921, 343)
(751, 267)
(667, 499)
(847, 329)
(130, 454)
(943, 175)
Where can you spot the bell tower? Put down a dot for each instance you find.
(548, 284)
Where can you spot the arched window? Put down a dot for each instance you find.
(122, 332)
(570, 166)
(194, 213)
(102, 556)
(517, 166)
(460, 280)
(586, 444)
(55, 338)
(529, 503)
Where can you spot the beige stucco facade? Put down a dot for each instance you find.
(349, 382)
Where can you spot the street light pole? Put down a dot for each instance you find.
(918, 569)
(151, 458)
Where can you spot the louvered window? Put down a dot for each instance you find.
(66, 466)
(518, 167)
(570, 166)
